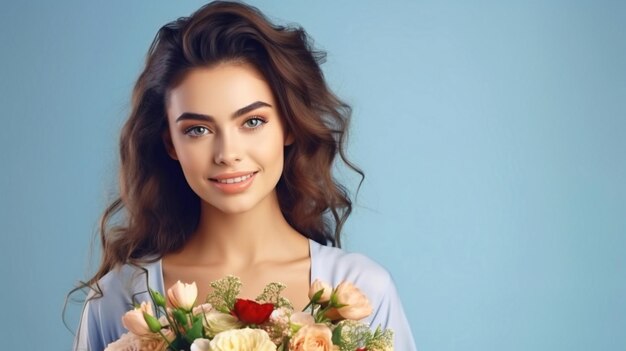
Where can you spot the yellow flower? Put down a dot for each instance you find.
(242, 340)
(216, 322)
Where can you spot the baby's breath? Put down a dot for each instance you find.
(224, 294)
(271, 294)
(350, 335)
(381, 340)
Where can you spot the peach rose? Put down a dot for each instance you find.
(357, 305)
(155, 341)
(182, 295)
(132, 342)
(314, 337)
(317, 286)
(128, 341)
(134, 320)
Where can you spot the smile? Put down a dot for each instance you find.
(234, 180)
(234, 185)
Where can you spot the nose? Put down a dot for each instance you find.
(227, 150)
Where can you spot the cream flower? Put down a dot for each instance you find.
(182, 295)
(317, 286)
(242, 340)
(315, 337)
(216, 322)
(201, 345)
(384, 348)
(134, 320)
(357, 305)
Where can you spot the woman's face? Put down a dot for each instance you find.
(227, 134)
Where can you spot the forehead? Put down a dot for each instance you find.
(218, 90)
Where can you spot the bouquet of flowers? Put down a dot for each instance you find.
(225, 322)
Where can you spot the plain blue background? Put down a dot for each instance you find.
(492, 135)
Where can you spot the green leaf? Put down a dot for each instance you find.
(195, 332)
(337, 335)
(317, 295)
(180, 316)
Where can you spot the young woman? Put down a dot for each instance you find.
(226, 165)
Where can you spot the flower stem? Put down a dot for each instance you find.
(307, 306)
(319, 316)
(169, 344)
(170, 321)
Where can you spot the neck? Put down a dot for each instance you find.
(242, 238)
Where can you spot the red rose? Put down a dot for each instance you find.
(252, 312)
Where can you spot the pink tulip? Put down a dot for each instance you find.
(134, 320)
(182, 295)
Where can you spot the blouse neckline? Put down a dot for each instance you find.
(159, 281)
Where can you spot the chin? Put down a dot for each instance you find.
(233, 207)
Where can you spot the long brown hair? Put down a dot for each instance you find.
(157, 211)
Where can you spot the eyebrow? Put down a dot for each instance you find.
(242, 111)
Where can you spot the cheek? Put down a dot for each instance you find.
(271, 155)
(191, 160)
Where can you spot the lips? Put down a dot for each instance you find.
(233, 183)
(234, 180)
(231, 176)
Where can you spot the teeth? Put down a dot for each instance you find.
(234, 180)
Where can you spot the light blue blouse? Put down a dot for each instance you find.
(101, 321)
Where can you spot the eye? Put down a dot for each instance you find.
(196, 131)
(254, 123)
